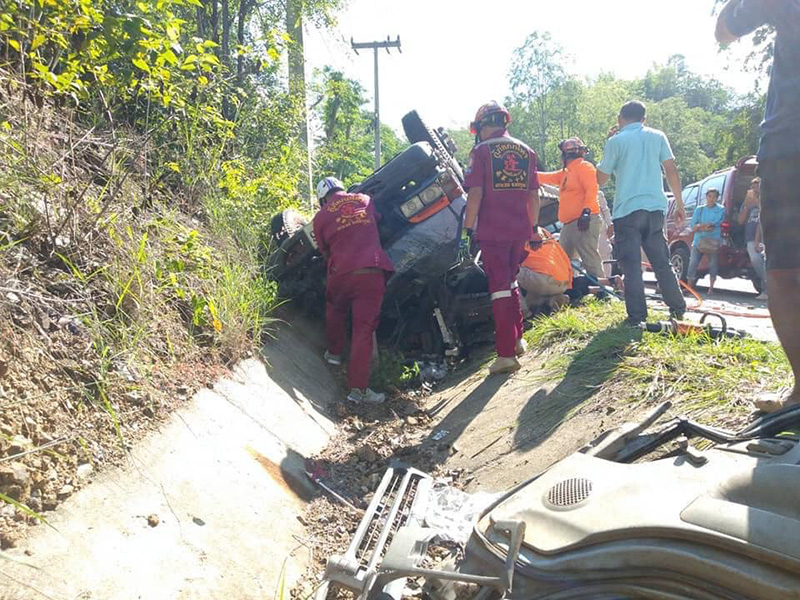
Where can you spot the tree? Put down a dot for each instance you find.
(536, 72)
(740, 136)
(464, 141)
(598, 108)
(675, 79)
(691, 135)
(346, 144)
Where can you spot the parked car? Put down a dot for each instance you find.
(638, 513)
(733, 184)
(436, 302)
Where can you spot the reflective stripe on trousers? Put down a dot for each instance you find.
(505, 293)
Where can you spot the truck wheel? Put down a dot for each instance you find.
(679, 259)
(417, 131)
(284, 225)
(757, 283)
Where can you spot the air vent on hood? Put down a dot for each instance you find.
(569, 492)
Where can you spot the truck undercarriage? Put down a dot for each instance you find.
(638, 513)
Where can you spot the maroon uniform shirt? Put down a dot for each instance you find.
(506, 170)
(346, 231)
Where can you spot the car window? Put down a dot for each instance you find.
(712, 182)
(690, 199)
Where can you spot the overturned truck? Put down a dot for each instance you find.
(639, 513)
(435, 303)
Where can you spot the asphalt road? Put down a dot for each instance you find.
(735, 300)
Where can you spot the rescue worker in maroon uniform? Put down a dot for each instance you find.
(346, 232)
(504, 200)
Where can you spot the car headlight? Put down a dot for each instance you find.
(431, 194)
(412, 207)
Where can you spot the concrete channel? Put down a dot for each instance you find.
(206, 507)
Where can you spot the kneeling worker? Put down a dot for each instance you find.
(346, 231)
(545, 275)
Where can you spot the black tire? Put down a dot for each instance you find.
(285, 224)
(757, 283)
(417, 131)
(679, 259)
(416, 163)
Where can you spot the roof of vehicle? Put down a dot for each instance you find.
(745, 161)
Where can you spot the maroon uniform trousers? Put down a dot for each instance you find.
(501, 262)
(362, 291)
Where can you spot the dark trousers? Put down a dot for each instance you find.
(501, 261)
(639, 230)
(363, 292)
(780, 211)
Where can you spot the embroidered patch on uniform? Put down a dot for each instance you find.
(510, 164)
(351, 212)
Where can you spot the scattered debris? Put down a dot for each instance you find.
(440, 435)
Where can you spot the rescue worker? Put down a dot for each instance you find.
(545, 275)
(346, 232)
(578, 208)
(503, 200)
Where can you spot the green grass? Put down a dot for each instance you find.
(590, 350)
(392, 370)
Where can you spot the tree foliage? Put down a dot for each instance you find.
(537, 78)
(708, 125)
(345, 147)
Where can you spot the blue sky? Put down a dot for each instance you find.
(456, 54)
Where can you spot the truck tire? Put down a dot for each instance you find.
(285, 224)
(415, 163)
(417, 131)
(679, 259)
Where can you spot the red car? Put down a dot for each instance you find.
(733, 184)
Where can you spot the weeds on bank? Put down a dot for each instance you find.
(701, 376)
(154, 283)
(393, 370)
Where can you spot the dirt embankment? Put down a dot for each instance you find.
(106, 320)
(204, 507)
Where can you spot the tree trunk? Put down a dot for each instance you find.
(297, 76)
(244, 9)
(294, 29)
(215, 25)
(226, 36)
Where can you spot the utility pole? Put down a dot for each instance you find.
(375, 46)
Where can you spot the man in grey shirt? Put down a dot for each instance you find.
(779, 168)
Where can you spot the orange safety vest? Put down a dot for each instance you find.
(577, 184)
(550, 259)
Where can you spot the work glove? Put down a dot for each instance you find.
(466, 240)
(584, 220)
(465, 245)
(536, 240)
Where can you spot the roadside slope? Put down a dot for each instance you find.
(206, 506)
